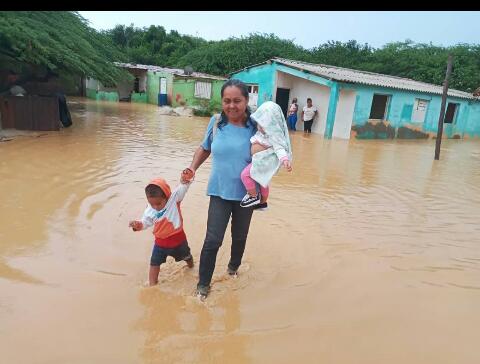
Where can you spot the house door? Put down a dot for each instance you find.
(162, 95)
(283, 95)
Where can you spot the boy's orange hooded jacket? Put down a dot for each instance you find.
(168, 222)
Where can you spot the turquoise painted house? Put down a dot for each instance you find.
(361, 104)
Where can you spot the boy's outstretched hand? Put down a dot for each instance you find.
(135, 225)
(287, 165)
(187, 175)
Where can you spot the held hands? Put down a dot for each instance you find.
(287, 165)
(135, 225)
(187, 175)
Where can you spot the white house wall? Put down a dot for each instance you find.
(303, 89)
(284, 80)
(344, 114)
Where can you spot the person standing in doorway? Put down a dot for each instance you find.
(292, 115)
(309, 114)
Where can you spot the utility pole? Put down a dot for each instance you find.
(442, 108)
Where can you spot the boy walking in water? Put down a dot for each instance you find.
(164, 214)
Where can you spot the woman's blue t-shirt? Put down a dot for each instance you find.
(230, 151)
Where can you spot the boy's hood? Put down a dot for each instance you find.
(160, 182)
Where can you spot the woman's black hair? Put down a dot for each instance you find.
(233, 82)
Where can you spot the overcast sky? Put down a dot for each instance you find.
(308, 29)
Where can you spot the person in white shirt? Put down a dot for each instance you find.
(308, 115)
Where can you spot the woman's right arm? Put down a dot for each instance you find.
(199, 157)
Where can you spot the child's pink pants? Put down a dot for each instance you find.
(249, 182)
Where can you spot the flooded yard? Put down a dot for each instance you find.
(369, 252)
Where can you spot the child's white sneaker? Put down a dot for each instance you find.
(248, 200)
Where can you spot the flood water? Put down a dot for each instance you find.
(369, 253)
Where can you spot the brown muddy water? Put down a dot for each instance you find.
(369, 253)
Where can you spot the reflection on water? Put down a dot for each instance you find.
(368, 245)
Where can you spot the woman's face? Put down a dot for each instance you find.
(234, 103)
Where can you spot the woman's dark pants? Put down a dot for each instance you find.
(219, 212)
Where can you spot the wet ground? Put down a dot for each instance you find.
(369, 253)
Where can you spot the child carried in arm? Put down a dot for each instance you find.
(270, 149)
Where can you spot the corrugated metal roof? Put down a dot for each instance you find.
(368, 78)
(175, 71)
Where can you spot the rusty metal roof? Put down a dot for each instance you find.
(174, 71)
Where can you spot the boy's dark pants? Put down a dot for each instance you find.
(219, 212)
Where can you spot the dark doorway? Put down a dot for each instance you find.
(450, 113)
(136, 85)
(379, 107)
(282, 99)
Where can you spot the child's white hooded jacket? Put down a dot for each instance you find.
(266, 163)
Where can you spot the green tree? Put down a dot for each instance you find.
(152, 45)
(350, 54)
(223, 57)
(58, 41)
(466, 64)
(417, 61)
